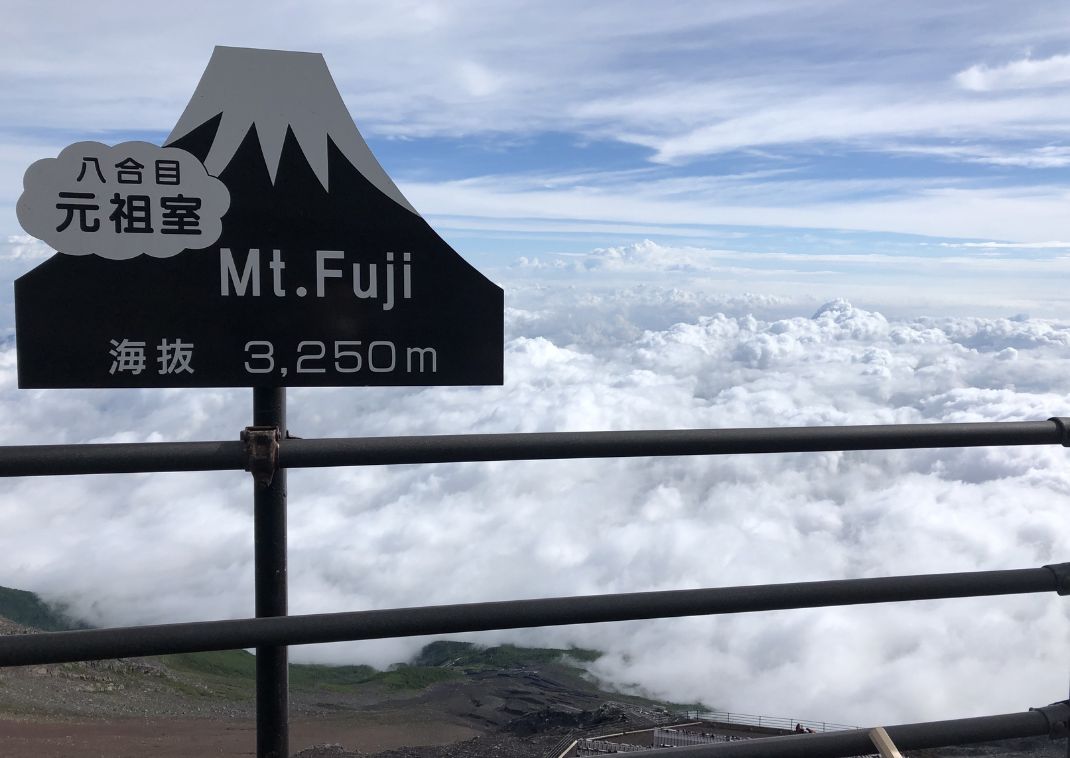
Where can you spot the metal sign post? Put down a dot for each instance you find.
(262, 246)
(269, 528)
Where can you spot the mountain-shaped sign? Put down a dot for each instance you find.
(321, 273)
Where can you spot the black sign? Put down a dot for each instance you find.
(317, 272)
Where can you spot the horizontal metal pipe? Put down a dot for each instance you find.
(856, 742)
(40, 460)
(95, 644)
(120, 458)
(369, 451)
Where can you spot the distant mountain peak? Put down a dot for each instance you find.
(276, 90)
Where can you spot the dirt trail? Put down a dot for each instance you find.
(182, 738)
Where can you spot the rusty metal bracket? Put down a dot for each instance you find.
(262, 452)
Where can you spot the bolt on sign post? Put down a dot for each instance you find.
(261, 246)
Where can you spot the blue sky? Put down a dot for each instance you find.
(683, 122)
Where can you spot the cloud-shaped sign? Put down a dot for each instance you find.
(124, 201)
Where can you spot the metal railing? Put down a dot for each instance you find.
(673, 738)
(1048, 721)
(141, 457)
(266, 451)
(783, 723)
(126, 642)
(589, 746)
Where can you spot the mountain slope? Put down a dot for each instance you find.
(469, 700)
(27, 609)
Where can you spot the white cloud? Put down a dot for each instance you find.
(398, 64)
(1034, 156)
(1047, 245)
(630, 71)
(688, 281)
(1025, 73)
(137, 549)
(943, 208)
(607, 72)
(845, 115)
(23, 247)
(647, 256)
(478, 80)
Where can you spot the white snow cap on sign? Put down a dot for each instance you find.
(272, 90)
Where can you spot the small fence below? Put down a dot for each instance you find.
(675, 738)
(769, 722)
(604, 747)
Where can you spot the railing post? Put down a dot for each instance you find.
(269, 504)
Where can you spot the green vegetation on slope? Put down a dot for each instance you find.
(233, 673)
(27, 609)
(337, 678)
(229, 664)
(227, 673)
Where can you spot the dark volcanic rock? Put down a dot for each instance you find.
(550, 719)
(328, 751)
(490, 746)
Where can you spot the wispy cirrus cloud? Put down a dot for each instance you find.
(858, 116)
(1008, 153)
(697, 93)
(1047, 245)
(942, 207)
(1025, 73)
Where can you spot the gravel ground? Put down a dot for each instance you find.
(139, 707)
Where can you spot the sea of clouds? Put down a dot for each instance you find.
(592, 355)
